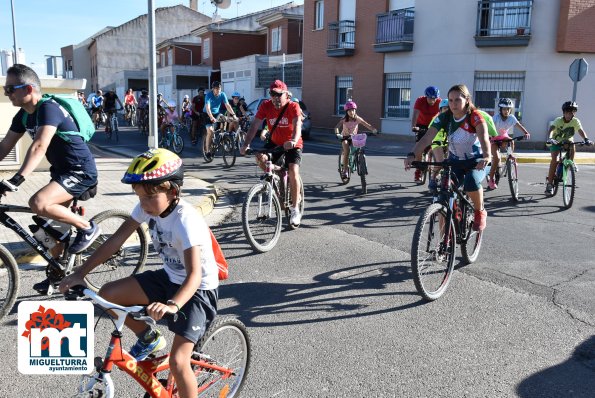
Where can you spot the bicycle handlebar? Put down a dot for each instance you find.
(517, 138)
(137, 312)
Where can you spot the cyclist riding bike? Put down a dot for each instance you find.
(161, 106)
(109, 104)
(424, 109)
(73, 171)
(349, 126)
(214, 101)
(171, 114)
(130, 103)
(562, 130)
(468, 143)
(143, 104)
(283, 119)
(97, 106)
(198, 116)
(505, 122)
(237, 110)
(188, 281)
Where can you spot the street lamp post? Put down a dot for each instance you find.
(14, 33)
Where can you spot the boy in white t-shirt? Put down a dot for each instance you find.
(188, 281)
(505, 122)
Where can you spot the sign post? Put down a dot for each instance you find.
(578, 70)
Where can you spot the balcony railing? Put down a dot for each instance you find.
(394, 31)
(503, 23)
(341, 38)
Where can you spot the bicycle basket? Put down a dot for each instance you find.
(359, 140)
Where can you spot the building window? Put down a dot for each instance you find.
(504, 18)
(170, 56)
(319, 14)
(344, 93)
(397, 95)
(162, 59)
(276, 39)
(491, 86)
(206, 48)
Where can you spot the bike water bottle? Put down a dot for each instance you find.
(42, 236)
(59, 231)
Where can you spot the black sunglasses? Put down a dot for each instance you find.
(11, 88)
(275, 94)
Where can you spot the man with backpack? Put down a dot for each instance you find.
(59, 128)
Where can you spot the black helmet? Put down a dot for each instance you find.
(569, 106)
(215, 84)
(505, 103)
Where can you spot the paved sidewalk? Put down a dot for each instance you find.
(112, 194)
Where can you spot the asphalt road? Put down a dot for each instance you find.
(333, 312)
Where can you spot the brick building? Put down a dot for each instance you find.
(384, 53)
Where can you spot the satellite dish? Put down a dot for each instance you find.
(221, 3)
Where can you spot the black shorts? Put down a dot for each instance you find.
(196, 315)
(293, 155)
(422, 131)
(75, 182)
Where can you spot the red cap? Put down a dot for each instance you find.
(278, 86)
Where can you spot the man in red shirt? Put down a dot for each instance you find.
(283, 118)
(424, 110)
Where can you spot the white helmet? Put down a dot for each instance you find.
(186, 96)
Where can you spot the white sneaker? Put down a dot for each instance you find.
(549, 189)
(575, 167)
(296, 216)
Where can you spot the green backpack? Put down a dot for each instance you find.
(76, 110)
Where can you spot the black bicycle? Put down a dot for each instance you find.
(566, 173)
(221, 142)
(129, 259)
(446, 223)
(261, 211)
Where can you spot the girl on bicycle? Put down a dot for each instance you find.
(468, 143)
(505, 122)
(350, 124)
(185, 108)
(187, 283)
(171, 114)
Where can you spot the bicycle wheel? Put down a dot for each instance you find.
(433, 252)
(129, 259)
(207, 149)
(116, 128)
(94, 386)
(362, 170)
(568, 186)
(177, 143)
(301, 206)
(513, 179)
(471, 242)
(344, 176)
(9, 281)
(226, 345)
(261, 217)
(229, 151)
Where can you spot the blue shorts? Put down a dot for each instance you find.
(468, 175)
(196, 315)
(74, 182)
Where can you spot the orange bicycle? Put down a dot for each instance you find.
(220, 360)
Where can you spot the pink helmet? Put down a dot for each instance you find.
(350, 105)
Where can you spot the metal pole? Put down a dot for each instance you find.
(574, 91)
(283, 69)
(14, 33)
(153, 139)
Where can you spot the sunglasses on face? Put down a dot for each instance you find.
(11, 88)
(275, 94)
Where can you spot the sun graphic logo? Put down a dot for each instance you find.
(55, 337)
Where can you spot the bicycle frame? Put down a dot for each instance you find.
(12, 224)
(144, 372)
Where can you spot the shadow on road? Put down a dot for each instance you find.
(344, 294)
(573, 378)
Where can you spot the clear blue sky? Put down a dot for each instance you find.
(43, 27)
